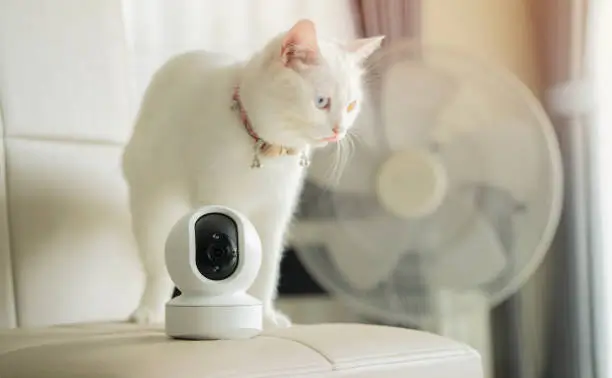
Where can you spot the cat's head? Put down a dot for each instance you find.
(302, 91)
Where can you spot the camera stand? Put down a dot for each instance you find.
(197, 317)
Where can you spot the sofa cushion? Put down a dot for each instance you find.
(328, 350)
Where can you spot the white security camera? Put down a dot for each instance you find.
(213, 256)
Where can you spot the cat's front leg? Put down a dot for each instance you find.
(154, 212)
(271, 231)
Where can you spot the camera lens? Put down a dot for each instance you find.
(220, 258)
(216, 253)
(216, 246)
(220, 253)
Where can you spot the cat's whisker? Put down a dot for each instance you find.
(332, 168)
(351, 142)
(351, 150)
(355, 136)
(343, 151)
(341, 159)
(344, 154)
(337, 155)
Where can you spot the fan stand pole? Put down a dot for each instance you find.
(465, 317)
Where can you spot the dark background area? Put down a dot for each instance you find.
(294, 279)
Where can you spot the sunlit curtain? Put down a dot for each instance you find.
(560, 46)
(392, 18)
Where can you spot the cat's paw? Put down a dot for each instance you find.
(147, 315)
(275, 319)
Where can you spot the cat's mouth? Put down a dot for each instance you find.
(322, 142)
(333, 138)
(336, 137)
(319, 141)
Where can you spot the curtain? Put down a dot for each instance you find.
(392, 18)
(560, 44)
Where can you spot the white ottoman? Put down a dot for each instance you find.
(120, 350)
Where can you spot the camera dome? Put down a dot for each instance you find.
(213, 250)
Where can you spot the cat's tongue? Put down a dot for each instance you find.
(331, 139)
(334, 138)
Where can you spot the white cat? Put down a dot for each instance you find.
(205, 120)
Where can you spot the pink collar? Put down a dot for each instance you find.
(265, 148)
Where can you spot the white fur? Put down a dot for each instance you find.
(190, 149)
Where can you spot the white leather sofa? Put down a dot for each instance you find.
(329, 350)
(71, 76)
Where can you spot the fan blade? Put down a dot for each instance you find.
(356, 176)
(362, 268)
(412, 97)
(309, 232)
(507, 156)
(440, 228)
(473, 258)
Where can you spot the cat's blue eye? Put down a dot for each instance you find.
(322, 102)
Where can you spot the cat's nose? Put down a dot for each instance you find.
(337, 134)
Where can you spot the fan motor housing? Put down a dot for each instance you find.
(411, 183)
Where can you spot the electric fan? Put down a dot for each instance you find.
(448, 201)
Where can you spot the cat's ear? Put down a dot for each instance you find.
(300, 46)
(362, 48)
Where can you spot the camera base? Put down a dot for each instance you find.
(237, 316)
